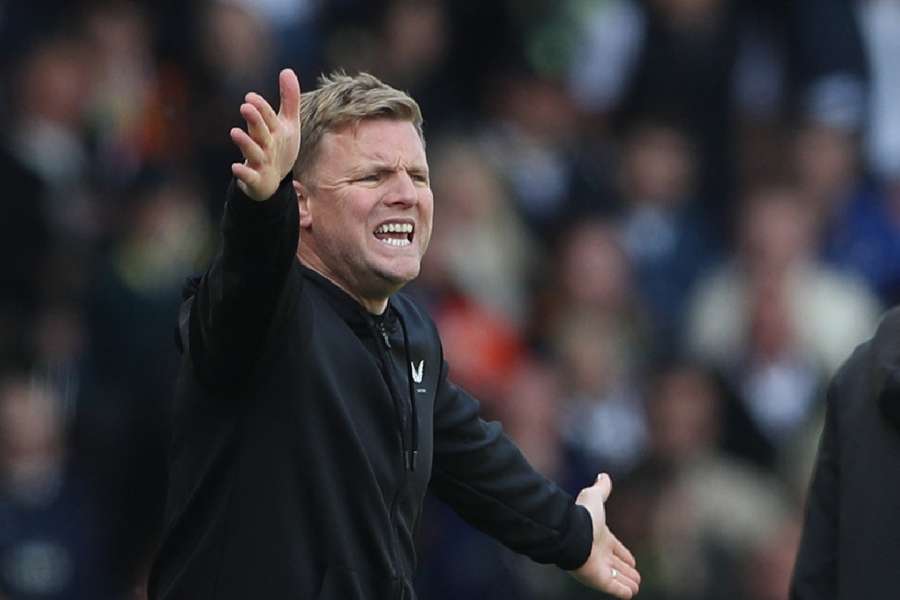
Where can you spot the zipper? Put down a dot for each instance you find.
(384, 334)
(388, 365)
(409, 456)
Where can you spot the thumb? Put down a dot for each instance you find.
(289, 88)
(604, 485)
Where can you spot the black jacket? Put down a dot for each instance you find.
(851, 538)
(308, 432)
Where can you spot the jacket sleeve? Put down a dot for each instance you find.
(236, 300)
(815, 571)
(481, 473)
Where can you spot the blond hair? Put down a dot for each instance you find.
(341, 99)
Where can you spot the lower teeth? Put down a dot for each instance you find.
(396, 242)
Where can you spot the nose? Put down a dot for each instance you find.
(402, 192)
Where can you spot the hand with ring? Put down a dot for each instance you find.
(610, 567)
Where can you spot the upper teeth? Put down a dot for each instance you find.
(395, 228)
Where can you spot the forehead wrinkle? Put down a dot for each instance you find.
(379, 151)
(360, 158)
(379, 158)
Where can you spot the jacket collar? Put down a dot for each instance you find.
(351, 311)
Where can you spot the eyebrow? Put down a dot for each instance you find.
(384, 166)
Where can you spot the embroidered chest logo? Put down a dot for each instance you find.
(418, 373)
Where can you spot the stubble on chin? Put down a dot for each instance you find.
(392, 280)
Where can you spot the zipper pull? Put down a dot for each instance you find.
(411, 456)
(384, 335)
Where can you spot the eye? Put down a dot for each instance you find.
(420, 178)
(371, 178)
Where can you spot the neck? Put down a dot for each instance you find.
(372, 305)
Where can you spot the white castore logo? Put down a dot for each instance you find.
(417, 373)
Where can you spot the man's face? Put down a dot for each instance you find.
(370, 206)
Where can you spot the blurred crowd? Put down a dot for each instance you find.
(660, 227)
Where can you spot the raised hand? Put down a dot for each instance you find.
(610, 567)
(271, 142)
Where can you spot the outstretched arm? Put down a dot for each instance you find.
(481, 473)
(237, 299)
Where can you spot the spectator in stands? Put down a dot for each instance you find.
(50, 541)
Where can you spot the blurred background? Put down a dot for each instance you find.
(660, 227)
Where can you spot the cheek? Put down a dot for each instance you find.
(350, 225)
(360, 217)
(425, 231)
(426, 202)
(342, 234)
(426, 237)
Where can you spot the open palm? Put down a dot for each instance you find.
(610, 567)
(271, 142)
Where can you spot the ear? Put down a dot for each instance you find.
(303, 204)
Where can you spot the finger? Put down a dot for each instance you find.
(250, 149)
(619, 582)
(245, 173)
(604, 483)
(289, 88)
(622, 552)
(265, 109)
(256, 126)
(623, 590)
(626, 573)
(619, 588)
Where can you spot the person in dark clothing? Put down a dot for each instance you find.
(851, 535)
(692, 54)
(314, 407)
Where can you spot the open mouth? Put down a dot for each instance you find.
(395, 233)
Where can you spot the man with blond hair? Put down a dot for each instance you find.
(314, 408)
